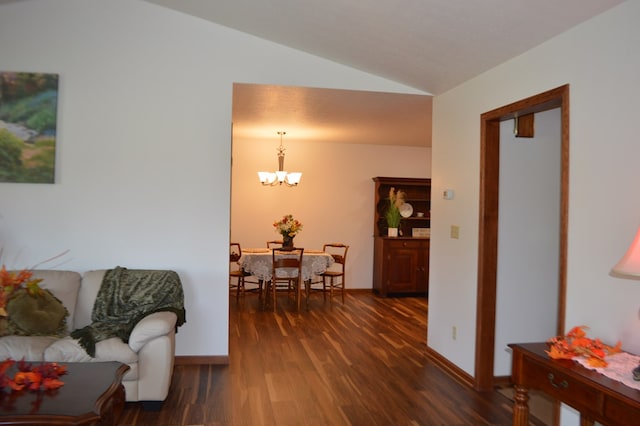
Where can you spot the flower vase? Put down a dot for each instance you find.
(287, 242)
(392, 232)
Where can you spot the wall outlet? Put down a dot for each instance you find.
(455, 232)
(454, 332)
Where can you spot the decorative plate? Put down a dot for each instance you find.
(406, 210)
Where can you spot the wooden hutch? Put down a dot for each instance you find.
(401, 264)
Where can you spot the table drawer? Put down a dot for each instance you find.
(559, 386)
(617, 412)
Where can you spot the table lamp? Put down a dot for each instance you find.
(629, 267)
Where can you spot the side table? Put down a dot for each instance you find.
(595, 396)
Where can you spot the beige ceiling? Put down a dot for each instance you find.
(331, 115)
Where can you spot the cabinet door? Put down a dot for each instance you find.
(402, 267)
(422, 283)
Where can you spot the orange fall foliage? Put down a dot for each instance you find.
(576, 343)
(44, 376)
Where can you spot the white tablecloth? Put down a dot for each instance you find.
(257, 262)
(620, 368)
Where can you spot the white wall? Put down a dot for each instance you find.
(334, 200)
(144, 130)
(601, 62)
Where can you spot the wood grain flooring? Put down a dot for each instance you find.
(361, 363)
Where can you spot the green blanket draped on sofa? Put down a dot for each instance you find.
(124, 298)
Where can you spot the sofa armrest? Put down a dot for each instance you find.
(150, 327)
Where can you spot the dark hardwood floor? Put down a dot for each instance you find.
(361, 363)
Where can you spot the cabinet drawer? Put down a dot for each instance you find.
(559, 386)
(406, 244)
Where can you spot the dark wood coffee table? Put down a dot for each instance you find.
(92, 395)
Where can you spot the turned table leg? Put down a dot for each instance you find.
(521, 406)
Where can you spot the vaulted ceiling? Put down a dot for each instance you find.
(431, 45)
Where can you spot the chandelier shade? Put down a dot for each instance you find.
(280, 176)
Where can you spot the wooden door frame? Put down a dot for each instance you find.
(488, 230)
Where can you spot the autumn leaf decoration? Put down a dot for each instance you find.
(45, 376)
(11, 281)
(576, 343)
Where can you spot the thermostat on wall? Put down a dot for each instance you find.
(447, 194)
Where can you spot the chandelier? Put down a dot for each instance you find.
(281, 176)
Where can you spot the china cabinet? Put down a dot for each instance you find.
(401, 264)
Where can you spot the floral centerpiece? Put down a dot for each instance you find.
(288, 227)
(396, 200)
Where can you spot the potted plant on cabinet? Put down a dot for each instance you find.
(393, 216)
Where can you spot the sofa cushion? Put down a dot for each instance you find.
(36, 314)
(91, 282)
(69, 350)
(31, 348)
(64, 285)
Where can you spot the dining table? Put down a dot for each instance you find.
(258, 262)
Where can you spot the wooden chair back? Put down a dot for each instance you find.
(339, 253)
(334, 277)
(286, 259)
(239, 278)
(235, 252)
(273, 244)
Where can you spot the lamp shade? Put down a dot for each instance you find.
(267, 178)
(294, 178)
(629, 265)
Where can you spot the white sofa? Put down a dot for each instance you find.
(149, 352)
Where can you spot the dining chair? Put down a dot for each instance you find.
(286, 273)
(334, 277)
(238, 278)
(274, 244)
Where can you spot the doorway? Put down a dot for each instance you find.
(485, 378)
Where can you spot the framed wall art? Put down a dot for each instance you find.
(28, 121)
